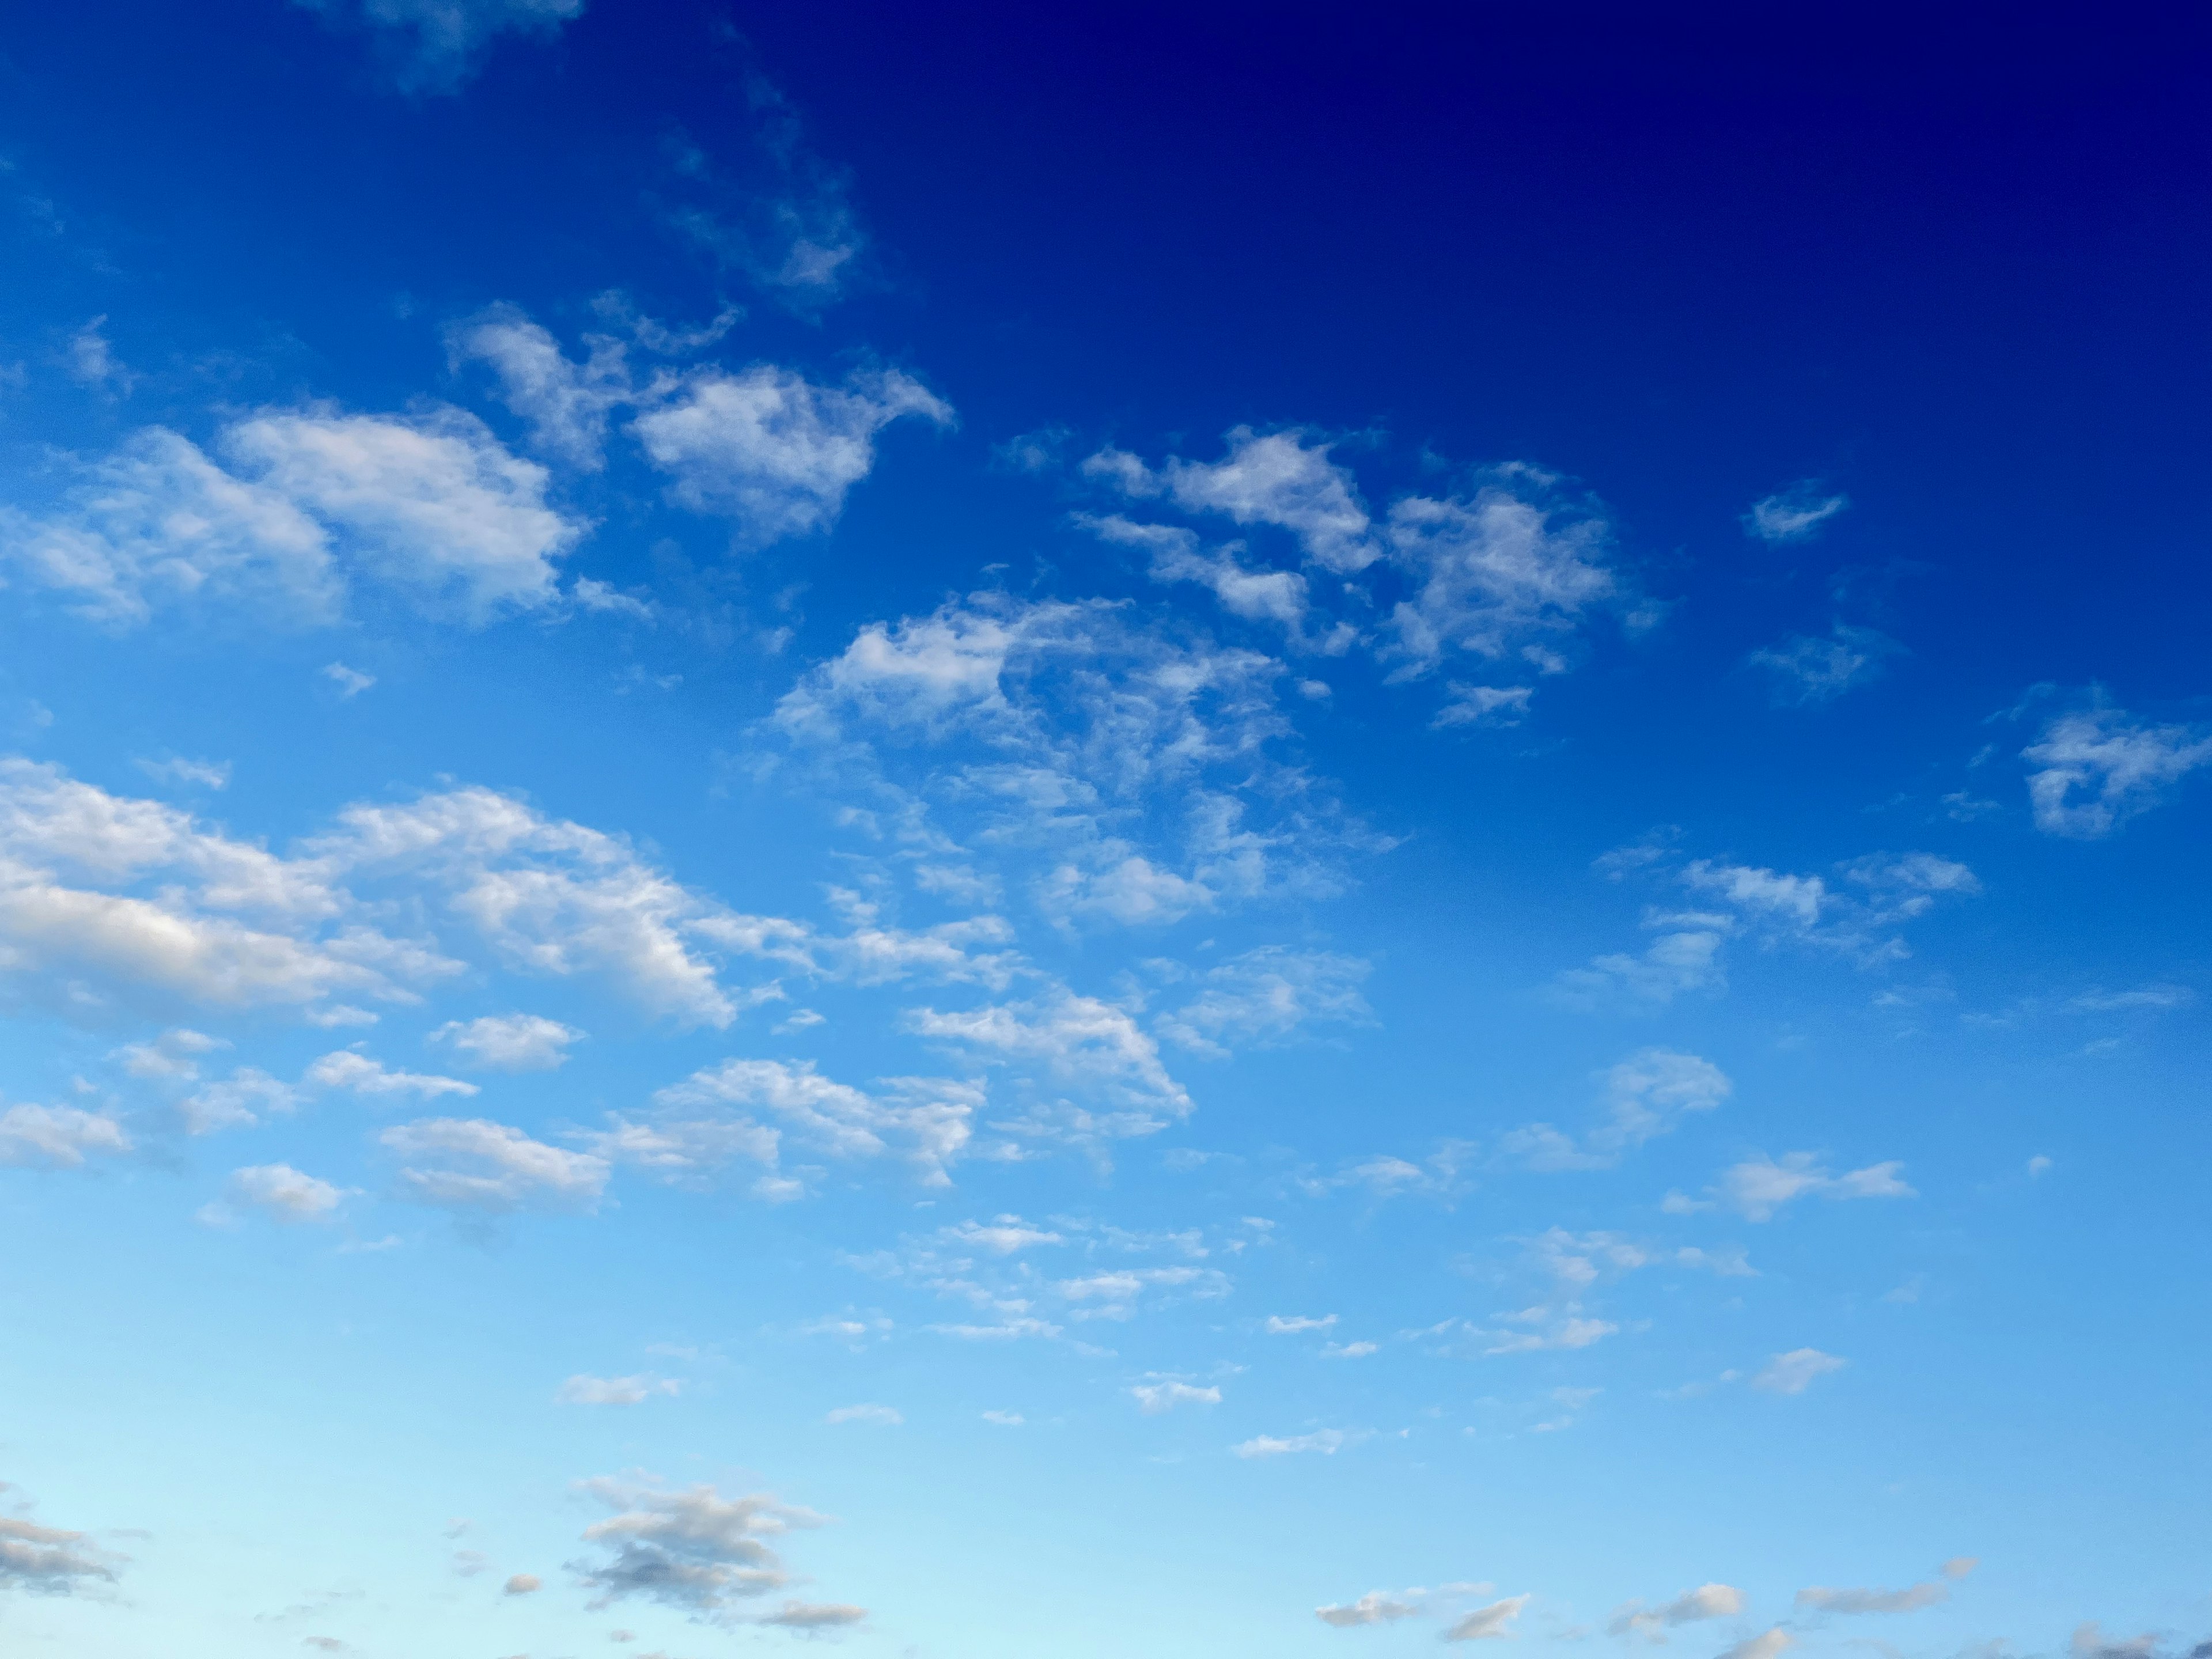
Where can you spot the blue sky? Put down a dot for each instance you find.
(1220, 831)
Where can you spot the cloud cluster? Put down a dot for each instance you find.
(49, 1561)
(692, 1549)
(1647, 1095)
(2095, 769)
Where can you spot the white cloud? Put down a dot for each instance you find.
(1327, 1442)
(1493, 572)
(1177, 556)
(1795, 514)
(1266, 996)
(1482, 705)
(1795, 1371)
(927, 1122)
(284, 1193)
(173, 1056)
(1291, 1324)
(1647, 1095)
(1768, 1644)
(567, 404)
(1488, 1623)
(1005, 1236)
(1076, 1041)
(470, 1163)
(772, 450)
(351, 1070)
(1806, 670)
(432, 503)
(1676, 962)
(2095, 769)
(429, 503)
(522, 1584)
(1376, 1607)
(511, 1042)
(1277, 478)
(1759, 1187)
(57, 1136)
(882, 1416)
(1154, 1398)
(247, 1096)
(1706, 1601)
(441, 41)
(1006, 1420)
(350, 682)
(1914, 1597)
(693, 1550)
(93, 361)
(584, 1390)
(1545, 1328)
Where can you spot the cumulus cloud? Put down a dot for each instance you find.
(57, 1136)
(435, 46)
(1768, 1644)
(283, 1194)
(881, 1416)
(247, 1096)
(1706, 1601)
(1806, 670)
(429, 505)
(1176, 554)
(1293, 1324)
(1267, 995)
(510, 1043)
(523, 1583)
(2095, 769)
(771, 450)
(1487, 1623)
(1284, 479)
(1647, 1095)
(1376, 1607)
(717, 1115)
(1795, 1371)
(584, 1390)
(690, 1549)
(567, 404)
(351, 1070)
(1155, 1398)
(1076, 1042)
(1327, 1442)
(1760, 1187)
(1128, 770)
(1819, 1599)
(471, 1163)
(1795, 514)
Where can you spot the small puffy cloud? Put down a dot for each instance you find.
(1768, 1644)
(882, 1416)
(1482, 705)
(1647, 1095)
(1706, 1601)
(814, 1615)
(1759, 1187)
(350, 682)
(1290, 1325)
(1806, 670)
(470, 1163)
(1004, 1235)
(692, 1549)
(1376, 1607)
(1327, 1442)
(430, 504)
(1005, 1419)
(1795, 1371)
(1077, 1041)
(510, 1043)
(93, 361)
(174, 1056)
(436, 45)
(57, 1136)
(771, 450)
(1680, 961)
(1155, 1398)
(2095, 769)
(1488, 1623)
(1819, 1599)
(583, 1389)
(247, 1096)
(351, 1070)
(1267, 996)
(1277, 478)
(567, 404)
(1795, 514)
(283, 1194)
(523, 1583)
